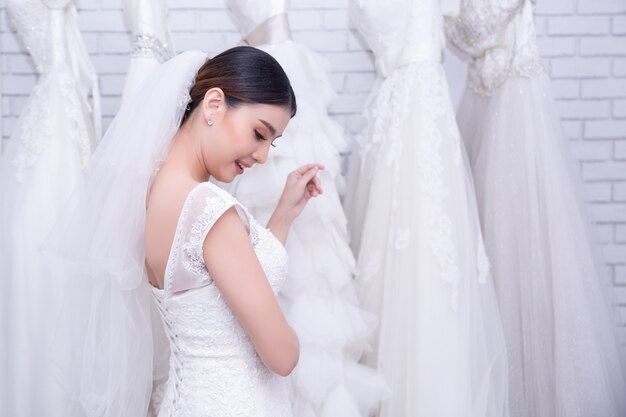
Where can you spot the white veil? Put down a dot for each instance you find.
(106, 326)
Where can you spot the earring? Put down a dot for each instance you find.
(209, 122)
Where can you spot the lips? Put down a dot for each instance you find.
(241, 165)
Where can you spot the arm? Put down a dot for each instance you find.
(235, 269)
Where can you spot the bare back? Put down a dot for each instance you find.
(165, 203)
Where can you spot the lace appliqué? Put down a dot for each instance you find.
(433, 99)
(428, 79)
(213, 209)
(178, 236)
(403, 239)
(500, 37)
(149, 46)
(40, 118)
(31, 20)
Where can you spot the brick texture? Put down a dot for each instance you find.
(583, 43)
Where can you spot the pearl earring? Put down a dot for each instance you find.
(209, 122)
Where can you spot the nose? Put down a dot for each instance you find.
(260, 155)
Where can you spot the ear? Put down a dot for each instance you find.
(213, 104)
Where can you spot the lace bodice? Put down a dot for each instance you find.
(214, 368)
(399, 31)
(499, 36)
(49, 31)
(32, 22)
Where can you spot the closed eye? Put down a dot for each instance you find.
(259, 136)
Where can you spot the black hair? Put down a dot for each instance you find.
(246, 75)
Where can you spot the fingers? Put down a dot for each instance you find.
(304, 168)
(309, 174)
(318, 185)
(314, 187)
(312, 191)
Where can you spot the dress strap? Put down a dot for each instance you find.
(205, 204)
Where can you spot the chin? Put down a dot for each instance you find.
(225, 178)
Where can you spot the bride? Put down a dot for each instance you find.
(146, 228)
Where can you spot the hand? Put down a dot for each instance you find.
(301, 185)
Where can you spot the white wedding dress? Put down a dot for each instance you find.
(152, 39)
(318, 298)
(563, 357)
(49, 146)
(421, 262)
(214, 368)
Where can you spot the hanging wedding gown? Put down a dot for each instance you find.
(42, 163)
(152, 39)
(421, 263)
(563, 357)
(318, 297)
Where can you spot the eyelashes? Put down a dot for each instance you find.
(259, 136)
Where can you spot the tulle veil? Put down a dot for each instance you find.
(107, 328)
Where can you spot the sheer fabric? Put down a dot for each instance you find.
(107, 316)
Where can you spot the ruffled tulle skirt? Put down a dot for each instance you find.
(421, 262)
(563, 356)
(318, 298)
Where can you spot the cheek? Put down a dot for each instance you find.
(233, 137)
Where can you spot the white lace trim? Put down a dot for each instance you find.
(173, 257)
(214, 208)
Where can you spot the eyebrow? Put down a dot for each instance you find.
(269, 126)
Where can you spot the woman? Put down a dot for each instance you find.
(146, 205)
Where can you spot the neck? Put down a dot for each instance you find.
(185, 155)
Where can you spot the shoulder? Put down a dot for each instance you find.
(210, 202)
(211, 195)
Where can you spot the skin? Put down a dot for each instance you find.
(200, 151)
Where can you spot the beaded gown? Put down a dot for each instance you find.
(412, 214)
(152, 39)
(564, 359)
(318, 298)
(43, 161)
(214, 369)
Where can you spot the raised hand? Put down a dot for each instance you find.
(301, 185)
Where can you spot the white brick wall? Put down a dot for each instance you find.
(583, 43)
